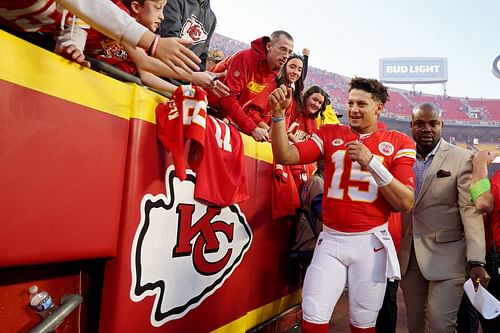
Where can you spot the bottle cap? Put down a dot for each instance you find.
(33, 289)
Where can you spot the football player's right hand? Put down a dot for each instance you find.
(279, 100)
(359, 152)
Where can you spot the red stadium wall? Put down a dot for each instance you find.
(79, 157)
(262, 277)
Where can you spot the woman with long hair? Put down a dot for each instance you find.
(303, 120)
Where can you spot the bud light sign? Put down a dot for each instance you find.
(413, 70)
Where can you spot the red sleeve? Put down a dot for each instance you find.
(495, 190)
(254, 113)
(402, 164)
(405, 174)
(257, 109)
(236, 79)
(309, 151)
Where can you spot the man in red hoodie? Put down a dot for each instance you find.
(251, 72)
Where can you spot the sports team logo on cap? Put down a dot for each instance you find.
(183, 250)
(337, 142)
(386, 148)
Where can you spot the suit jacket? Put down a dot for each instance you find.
(444, 226)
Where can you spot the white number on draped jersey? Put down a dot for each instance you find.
(223, 139)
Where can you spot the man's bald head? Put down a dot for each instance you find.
(426, 126)
(427, 106)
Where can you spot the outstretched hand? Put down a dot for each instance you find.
(279, 100)
(174, 53)
(260, 134)
(210, 80)
(72, 53)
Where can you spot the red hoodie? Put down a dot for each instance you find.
(248, 75)
(259, 111)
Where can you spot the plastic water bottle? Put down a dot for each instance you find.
(41, 302)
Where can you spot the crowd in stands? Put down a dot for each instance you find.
(401, 102)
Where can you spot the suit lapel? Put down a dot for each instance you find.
(437, 161)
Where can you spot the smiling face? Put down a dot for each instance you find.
(149, 14)
(293, 70)
(314, 103)
(426, 127)
(363, 111)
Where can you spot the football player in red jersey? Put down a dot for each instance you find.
(368, 174)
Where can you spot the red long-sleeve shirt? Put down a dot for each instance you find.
(248, 75)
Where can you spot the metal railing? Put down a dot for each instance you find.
(50, 323)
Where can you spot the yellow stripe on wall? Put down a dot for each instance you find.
(262, 314)
(35, 68)
(257, 150)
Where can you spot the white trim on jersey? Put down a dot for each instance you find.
(411, 153)
(318, 142)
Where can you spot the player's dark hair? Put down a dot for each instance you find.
(376, 88)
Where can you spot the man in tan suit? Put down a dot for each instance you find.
(443, 232)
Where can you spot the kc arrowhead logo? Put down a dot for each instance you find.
(184, 250)
(193, 30)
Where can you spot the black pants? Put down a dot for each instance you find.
(388, 314)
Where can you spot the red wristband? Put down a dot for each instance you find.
(154, 46)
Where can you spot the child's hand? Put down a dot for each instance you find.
(71, 52)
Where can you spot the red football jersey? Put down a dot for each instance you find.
(351, 201)
(285, 195)
(180, 119)
(216, 151)
(221, 174)
(302, 127)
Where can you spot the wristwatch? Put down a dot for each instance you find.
(474, 263)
